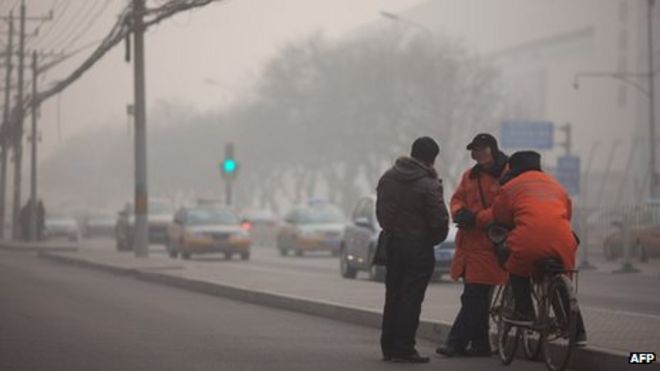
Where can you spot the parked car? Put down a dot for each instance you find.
(316, 226)
(160, 216)
(444, 254)
(61, 225)
(360, 238)
(207, 229)
(98, 224)
(644, 243)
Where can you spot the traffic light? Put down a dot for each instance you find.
(229, 165)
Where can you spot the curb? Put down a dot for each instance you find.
(35, 247)
(590, 358)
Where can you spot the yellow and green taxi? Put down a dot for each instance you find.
(207, 229)
(312, 227)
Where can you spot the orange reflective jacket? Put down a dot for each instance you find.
(475, 258)
(539, 210)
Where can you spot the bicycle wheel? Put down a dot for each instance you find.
(493, 317)
(531, 339)
(507, 334)
(559, 323)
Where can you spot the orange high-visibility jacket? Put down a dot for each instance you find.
(475, 259)
(539, 210)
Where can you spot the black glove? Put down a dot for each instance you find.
(465, 219)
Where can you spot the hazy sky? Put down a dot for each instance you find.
(210, 56)
(203, 58)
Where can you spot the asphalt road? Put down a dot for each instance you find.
(598, 289)
(58, 317)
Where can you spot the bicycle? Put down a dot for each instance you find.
(531, 342)
(554, 301)
(556, 319)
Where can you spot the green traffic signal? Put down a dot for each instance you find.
(229, 165)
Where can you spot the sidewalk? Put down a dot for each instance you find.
(612, 334)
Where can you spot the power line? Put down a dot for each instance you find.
(89, 24)
(71, 26)
(58, 18)
(41, 35)
(118, 33)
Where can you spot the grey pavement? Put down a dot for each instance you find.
(59, 317)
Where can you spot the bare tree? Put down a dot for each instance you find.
(325, 120)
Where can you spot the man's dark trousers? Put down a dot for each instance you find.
(410, 266)
(471, 324)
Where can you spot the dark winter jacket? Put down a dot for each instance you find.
(410, 202)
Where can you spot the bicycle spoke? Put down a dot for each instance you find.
(560, 324)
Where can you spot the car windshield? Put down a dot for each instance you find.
(321, 214)
(258, 215)
(211, 217)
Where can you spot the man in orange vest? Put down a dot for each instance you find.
(538, 211)
(475, 260)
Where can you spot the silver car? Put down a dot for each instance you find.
(360, 238)
(61, 225)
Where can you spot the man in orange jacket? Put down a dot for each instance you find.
(538, 211)
(475, 261)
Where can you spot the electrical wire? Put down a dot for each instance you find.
(59, 15)
(117, 34)
(89, 24)
(73, 25)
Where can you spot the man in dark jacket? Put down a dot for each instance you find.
(411, 210)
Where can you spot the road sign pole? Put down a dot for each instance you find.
(228, 191)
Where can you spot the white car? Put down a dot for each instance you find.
(61, 225)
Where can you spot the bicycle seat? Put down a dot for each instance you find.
(550, 266)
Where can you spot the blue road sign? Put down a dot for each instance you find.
(568, 173)
(527, 134)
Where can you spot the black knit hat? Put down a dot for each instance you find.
(425, 149)
(522, 161)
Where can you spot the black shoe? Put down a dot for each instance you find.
(449, 351)
(413, 358)
(478, 353)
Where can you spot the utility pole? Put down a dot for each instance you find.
(653, 189)
(140, 239)
(17, 122)
(33, 157)
(18, 129)
(5, 130)
(229, 170)
(568, 144)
